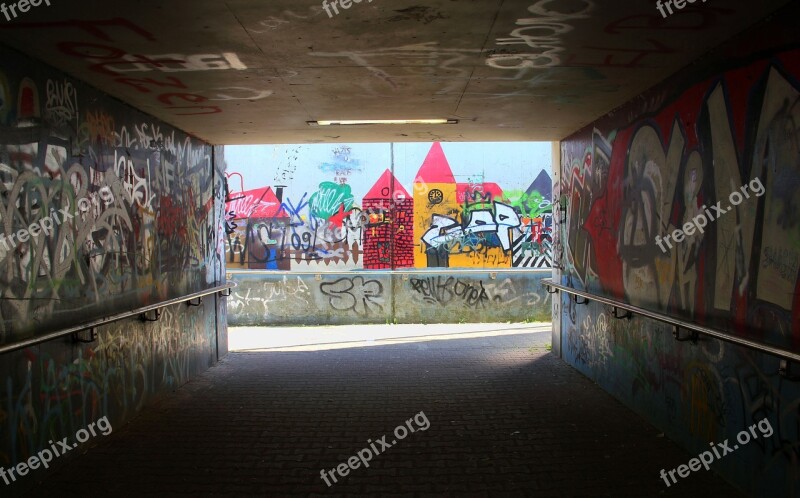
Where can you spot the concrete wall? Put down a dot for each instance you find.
(651, 167)
(267, 298)
(160, 237)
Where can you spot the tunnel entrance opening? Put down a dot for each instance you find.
(386, 233)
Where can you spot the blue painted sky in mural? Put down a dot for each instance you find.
(342, 160)
(506, 163)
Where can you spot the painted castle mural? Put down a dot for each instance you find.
(440, 220)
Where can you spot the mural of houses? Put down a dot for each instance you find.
(477, 224)
(254, 220)
(388, 234)
(443, 223)
(435, 203)
(534, 247)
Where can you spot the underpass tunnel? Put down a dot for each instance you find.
(670, 363)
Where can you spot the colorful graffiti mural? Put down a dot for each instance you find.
(633, 176)
(628, 185)
(441, 223)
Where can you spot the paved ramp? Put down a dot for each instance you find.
(505, 419)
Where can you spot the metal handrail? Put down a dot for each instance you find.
(409, 271)
(113, 318)
(676, 322)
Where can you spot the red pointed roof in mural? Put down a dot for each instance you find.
(383, 187)
(466, 191)
(435, 168)
(257, 203)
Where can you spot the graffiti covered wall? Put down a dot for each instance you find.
(719, 145)
(101, 207)
(135, 212)
(269, 299)
(349, 209)
(57, 388)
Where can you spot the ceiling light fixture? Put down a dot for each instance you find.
(353, 122)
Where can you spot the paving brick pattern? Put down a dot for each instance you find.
(506, 419)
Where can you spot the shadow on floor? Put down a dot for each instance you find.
(506, 419)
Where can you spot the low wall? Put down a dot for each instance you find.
(278, 298)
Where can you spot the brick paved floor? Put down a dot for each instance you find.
(506, 419)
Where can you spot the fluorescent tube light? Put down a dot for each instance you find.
(351, 122)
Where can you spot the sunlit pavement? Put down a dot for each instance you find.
(330, 337)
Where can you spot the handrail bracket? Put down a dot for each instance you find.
(86, 336)
(145, 317)
(195, 302)
(785, 370)
(625, 316)
(692, 336)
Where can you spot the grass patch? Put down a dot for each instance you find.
(541, 347)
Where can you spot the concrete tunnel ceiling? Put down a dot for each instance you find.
(247, 72)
